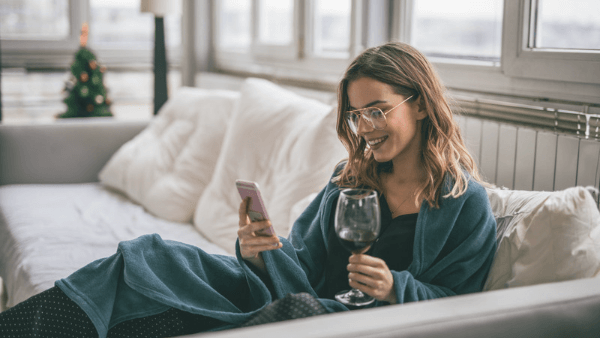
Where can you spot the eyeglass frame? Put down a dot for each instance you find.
(368, 119)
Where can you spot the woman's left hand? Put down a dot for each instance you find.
(372, 276)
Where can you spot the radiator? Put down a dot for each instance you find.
(525, 158)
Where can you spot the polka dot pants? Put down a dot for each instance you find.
(292, 306)
(53, 314)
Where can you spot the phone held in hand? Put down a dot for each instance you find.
(256, 211)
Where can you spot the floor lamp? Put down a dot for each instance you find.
(160, 8)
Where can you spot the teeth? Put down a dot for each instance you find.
(376, 141)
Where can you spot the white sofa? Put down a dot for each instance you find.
(70, 191)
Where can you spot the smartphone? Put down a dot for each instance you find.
(257, 210)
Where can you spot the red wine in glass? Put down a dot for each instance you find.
(357, 240)
(357, 225)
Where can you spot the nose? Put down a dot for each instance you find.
(363, 126)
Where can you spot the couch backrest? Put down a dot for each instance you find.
(72, 151)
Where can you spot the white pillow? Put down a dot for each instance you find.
(544, 237)
(285, 142)
(167, 166)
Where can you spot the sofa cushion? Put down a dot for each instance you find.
(285, 142)
(167, 166)
(544, 237)
(48, 231)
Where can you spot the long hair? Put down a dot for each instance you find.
(443, 151)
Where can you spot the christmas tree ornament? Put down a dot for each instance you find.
(85, 91)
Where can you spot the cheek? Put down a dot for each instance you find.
(403, 127)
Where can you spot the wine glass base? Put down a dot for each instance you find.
(354, 298)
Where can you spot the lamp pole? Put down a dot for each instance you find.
(160, 8)
(160, 64)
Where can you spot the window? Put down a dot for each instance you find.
(552, 40)
(299, 39)
(332, 27)
(565, 25)
(45, 33)
(34, 19)
(459, 29)
(540, 49)
(118, 26)
(234, 25)
(275, 22)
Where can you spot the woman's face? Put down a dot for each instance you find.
(400, 139)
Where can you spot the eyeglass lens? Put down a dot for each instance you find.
(374, 116)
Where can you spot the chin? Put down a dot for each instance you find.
(381, 158)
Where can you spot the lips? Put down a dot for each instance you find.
(374, 143)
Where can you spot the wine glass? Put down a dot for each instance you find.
(357, 224)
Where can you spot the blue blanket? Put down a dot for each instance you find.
(453, 251)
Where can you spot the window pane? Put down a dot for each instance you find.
(276, 21)
(567, 24)
(34, 19)
(332, 26)
(234, 24)
(120, 24)
(459, 29)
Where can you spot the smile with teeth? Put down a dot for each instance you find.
(376, 141)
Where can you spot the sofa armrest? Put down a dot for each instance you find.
(72, 151)
(561, 309)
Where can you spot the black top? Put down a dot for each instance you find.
(394, 245)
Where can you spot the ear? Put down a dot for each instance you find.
(421, 111)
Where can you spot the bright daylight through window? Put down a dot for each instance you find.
(119, 24)
(34, 19)
(275, 22)
(331, 26)
(234, 25)
(459, 29)
(561, 24)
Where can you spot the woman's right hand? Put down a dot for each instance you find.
(251, 243)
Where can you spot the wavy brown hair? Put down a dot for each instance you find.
(443, 151)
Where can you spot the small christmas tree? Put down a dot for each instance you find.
(86, 94)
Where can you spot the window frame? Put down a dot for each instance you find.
(501, 79)
(267, 51)
(46, 53)
(548, 64)
(59, 53)
(300, 64)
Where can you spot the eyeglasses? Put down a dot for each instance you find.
(375, 116)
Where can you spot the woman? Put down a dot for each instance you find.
(437, 238)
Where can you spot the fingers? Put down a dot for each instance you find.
(372, 276)
(378, 292)
(251, 243)
(243, 212)
(250, 247)
(251, 228)
(365, 260)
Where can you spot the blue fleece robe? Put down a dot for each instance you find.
(453, 251)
